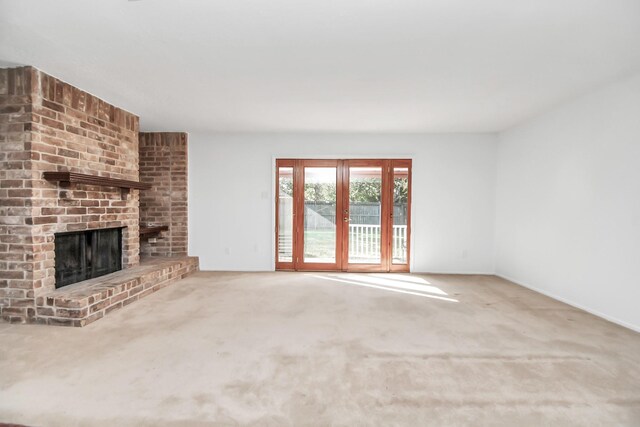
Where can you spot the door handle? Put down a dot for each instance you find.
(346, 219)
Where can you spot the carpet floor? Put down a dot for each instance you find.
(326, 349)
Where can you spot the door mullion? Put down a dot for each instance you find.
(344, 213)
(386, 222)
(339, 214)
(298, 194)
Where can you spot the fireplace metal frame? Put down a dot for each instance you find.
(92, 258)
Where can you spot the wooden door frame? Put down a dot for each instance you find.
(285, 163)
(299, 262)
(342, 195)
(400, 163)
(384, 215)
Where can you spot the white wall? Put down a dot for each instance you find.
(568, 203)
(231, 192)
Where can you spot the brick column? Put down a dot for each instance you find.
(163, 163)
(17, 258)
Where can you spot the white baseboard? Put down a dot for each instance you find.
(453, 273)
(460, 273)
(457, 272)
(611, 319)
(232, 270)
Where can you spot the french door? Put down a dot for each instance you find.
(346, 215)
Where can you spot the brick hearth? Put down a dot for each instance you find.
(85, 302)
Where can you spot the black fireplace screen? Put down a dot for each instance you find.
(83, 255)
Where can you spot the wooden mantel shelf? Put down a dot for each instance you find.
(146, 231)
(66, 178)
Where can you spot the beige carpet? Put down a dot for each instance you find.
(295, 349)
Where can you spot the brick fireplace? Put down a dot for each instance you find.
(48, 125)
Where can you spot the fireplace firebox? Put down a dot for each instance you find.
(86, 254)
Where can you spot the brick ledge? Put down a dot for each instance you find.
(85, 302)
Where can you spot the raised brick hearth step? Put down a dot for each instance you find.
(85, 302)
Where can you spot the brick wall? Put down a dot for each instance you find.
(49, 125)
(163, 163)
(17, 259)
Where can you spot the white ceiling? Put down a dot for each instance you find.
(327, 65)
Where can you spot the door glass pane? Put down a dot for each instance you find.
(365, 190)
(400, 215)
(285, 214)
(320, 214)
